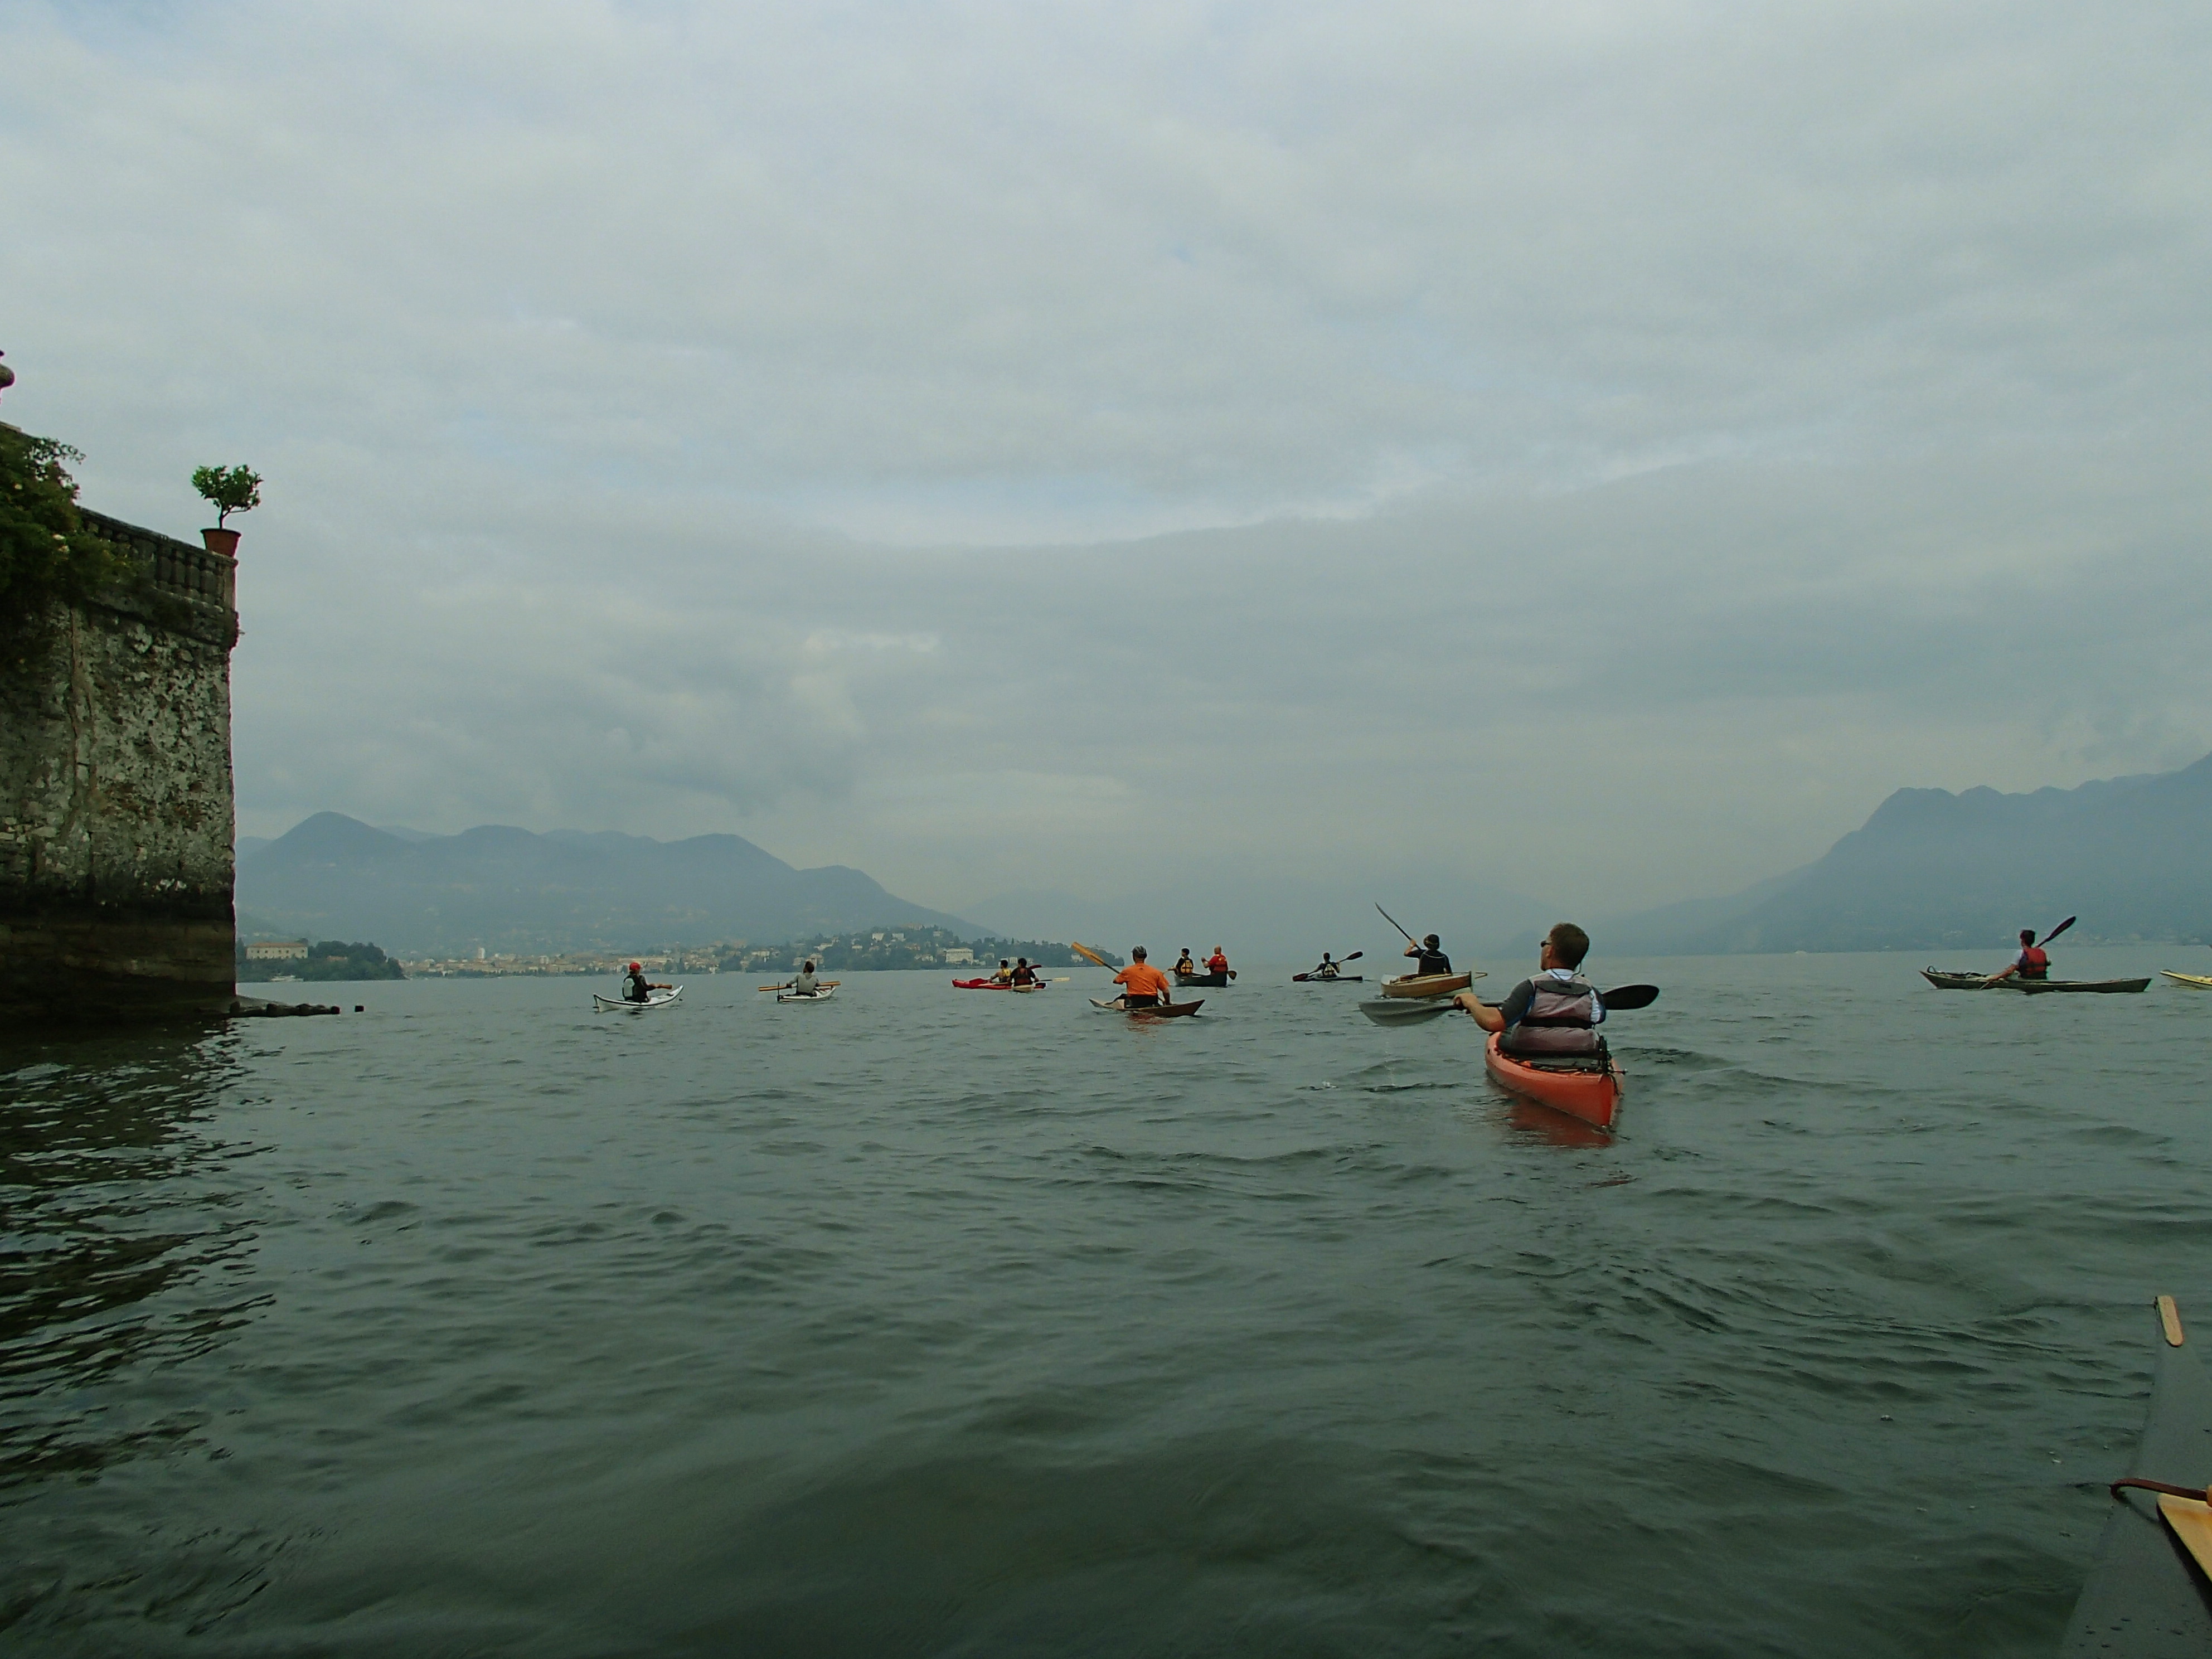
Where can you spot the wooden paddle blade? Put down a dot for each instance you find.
(1086, 952)
(1629, 996)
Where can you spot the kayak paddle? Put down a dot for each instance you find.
(2057, 931)
(1407, 1011)
(1393, 921)
(1087, 953)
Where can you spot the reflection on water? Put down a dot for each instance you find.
(120, 1225)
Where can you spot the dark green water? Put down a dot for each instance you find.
(928, 1322)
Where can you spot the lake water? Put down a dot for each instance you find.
(926, 1322)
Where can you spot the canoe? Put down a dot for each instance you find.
(2194, 982)
(602, 1003)
(1174, 1010)
(1587, 1088)
(993, 985)
(1325, 978)
(2144, 1597)
(1220, 981)
(1945, 980)
(821, 994)
(1429, 985)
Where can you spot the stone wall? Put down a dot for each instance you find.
(115, 795)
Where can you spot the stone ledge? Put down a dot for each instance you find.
(261, 1008)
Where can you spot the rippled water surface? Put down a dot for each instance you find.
(930, 1322)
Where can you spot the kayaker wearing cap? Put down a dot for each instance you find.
(1142, 986)
(1556, 1012)
(1183, 963)
(1430, 951)
(2030, 963)
(1023, 974)
(636, 987)
(805, 985)
(1218, 962)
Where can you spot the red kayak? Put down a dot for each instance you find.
(1588, 1089)
(993, 985)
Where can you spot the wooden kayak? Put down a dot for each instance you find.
(603, 1003)
(1429, 985)
(2194, 982)
(2145, 1597)
(1587, 1088)
(1325, 978)
(1220, 981)
(821, 993)
(1173, 1009)
(1944, 980)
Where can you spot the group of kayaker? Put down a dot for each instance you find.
(1216, 963)
(1020, 974)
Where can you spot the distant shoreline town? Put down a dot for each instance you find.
(911, 947)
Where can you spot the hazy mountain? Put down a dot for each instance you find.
(333, 876)
(1931, 870)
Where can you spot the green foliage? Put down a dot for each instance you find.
(328, 959)
(47, 554)
(228, 489)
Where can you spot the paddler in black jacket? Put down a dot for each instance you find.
(1554, 1012)
(1431, 953)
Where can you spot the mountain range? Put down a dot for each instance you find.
(506, 889)
(1931, 870)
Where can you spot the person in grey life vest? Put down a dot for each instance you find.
(1554, 1012)
(805, 985)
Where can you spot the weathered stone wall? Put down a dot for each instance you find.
(115, 795)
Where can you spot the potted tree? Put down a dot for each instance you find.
(230, 489)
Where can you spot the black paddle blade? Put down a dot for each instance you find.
(1629, 996)
(1354, 957)
(2059, 929)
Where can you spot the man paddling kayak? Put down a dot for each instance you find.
(1023, 974)
(1554, 1012)
(1430, 951)
(638, 988)
(1142, 986)
(805, 985)
(2031, 962)
(1183, 963)
(1328, 969)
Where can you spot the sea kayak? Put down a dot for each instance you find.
(1173, 1009)
(1429, 985)
(1584, 1087)
(1944, 980)
(822, 994)
(993, 985)
(1325, 978)
(2194, 982)
(2144, 1597)
(1218, 981)
(603, 1003)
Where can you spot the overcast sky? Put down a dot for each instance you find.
(1600, 449)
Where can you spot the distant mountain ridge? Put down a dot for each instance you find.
(1931, 871)
(507, 890)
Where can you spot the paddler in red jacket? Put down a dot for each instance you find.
(2030, 963)
(1142, 986)
(1218, 962)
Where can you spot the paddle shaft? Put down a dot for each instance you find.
(1622, 998)
(1393, 921)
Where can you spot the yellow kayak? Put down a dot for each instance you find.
(2194, 982)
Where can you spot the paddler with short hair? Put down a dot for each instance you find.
(1004, 975)
(1183, 963)
(805, 984)
(1142, 986)
(2031, 962)
(1023, 974)
(1430, 951)
(1555, 1011)
(1218, 962)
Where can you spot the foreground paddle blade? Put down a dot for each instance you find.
(2191, 1521)
(1624, 997)
(1398, 1011)
(1087, 953)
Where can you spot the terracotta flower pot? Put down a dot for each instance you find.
(221, 541)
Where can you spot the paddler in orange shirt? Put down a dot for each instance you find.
(1142, 986)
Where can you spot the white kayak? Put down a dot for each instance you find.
(822, 995)
(629, 1007)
